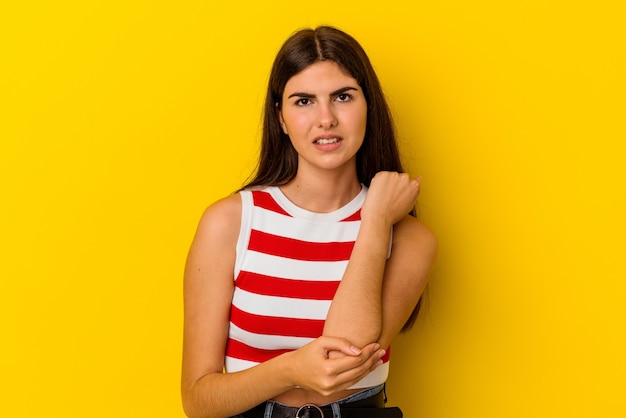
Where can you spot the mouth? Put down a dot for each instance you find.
(326, 141)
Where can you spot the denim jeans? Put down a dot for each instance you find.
(365, 393)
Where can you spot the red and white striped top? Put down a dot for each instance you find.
(289, 264)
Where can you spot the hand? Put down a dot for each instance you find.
(316, 369)
(391, 196)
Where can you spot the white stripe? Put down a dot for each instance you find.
(376, 377)
(282, 307)
(287, 268)
(315, 217)
(267, 342)
(284, 226)
(244, 230)
(236, 365)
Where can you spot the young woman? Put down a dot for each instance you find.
(296, 286)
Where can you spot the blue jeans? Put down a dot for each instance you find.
(365, 393)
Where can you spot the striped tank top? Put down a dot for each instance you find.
(289, 264)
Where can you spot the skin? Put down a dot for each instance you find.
(375, 297)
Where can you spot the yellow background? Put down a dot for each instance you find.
(121, 120)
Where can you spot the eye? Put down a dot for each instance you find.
(344, 97)
(303, 101)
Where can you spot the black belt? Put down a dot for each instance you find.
(372, 407)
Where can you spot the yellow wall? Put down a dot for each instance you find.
(121, 120)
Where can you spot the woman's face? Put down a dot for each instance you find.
(324, 112)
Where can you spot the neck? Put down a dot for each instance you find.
(322, 193)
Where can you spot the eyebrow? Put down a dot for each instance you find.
(334, 93)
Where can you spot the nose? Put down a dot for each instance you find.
(326, 116)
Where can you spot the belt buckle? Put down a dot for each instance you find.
(309, 407)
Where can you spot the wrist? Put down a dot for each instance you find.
(377, 224)
(286, 369)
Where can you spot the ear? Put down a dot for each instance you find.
(279, 114)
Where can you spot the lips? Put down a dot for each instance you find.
(325, 141)
(327, 138)
(328, 143)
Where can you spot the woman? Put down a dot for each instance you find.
(297, 284)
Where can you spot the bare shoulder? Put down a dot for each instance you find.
(226, 210)
(221, 220)
(413, 234)
(213, 248)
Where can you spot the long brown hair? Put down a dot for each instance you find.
(278, 160)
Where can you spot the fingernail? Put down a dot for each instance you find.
(381, 353)
(355, 350)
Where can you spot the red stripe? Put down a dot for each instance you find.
(287, 288)
(275, 325)
(266, 201)
(387, 355)
(299, 250)
(236, 349)
(356, 216)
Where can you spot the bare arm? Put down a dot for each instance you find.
(406, 274)
(376, 295)
(208, 290)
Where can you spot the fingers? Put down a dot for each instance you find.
(352, 369)
(397, 182)
(339, 345)
(328, 365)
(391, 196)
(351, 350)
(367, 360)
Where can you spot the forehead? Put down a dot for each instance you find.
(319, 77)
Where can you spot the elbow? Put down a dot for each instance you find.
(196, 406)
(192, 411)
(189, 407)
(191, 404)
